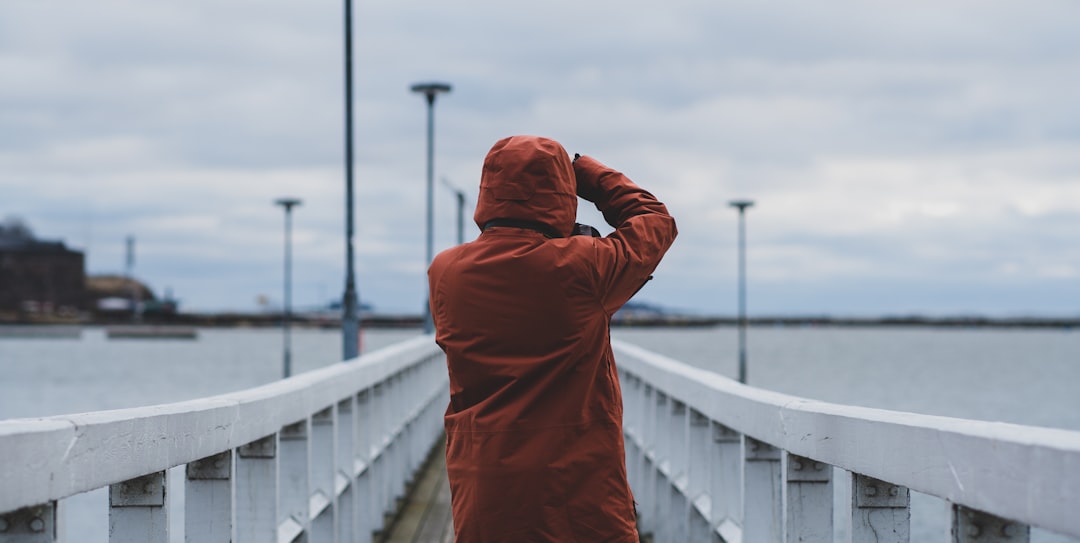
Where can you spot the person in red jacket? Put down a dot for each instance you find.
(534, 443)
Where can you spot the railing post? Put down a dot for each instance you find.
(809, 500)
(679, 425)
(880, 511)
(208, 500)
(972, 526)
(257, 491)
(344, 476)
(662, 447)
(365, 482)
(762, 521)
(725, 483)
(648, 502)
(321, 470)
(137, 512)
(30, 525)
(699, 445)
(293, 484)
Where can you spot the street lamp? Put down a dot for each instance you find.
(430, 91)
(350, 315)
(741, 205)
(460, 194)
(288, 204)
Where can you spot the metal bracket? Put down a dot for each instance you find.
(218, 466)
(326, 416)
(145, 491)
(723, 434)
(759, 451)
(678, 408)
(970, 525)
(806, 470)
(37, 523)
(260, 448)
(698, 419)
(870, 492)
(296, 430)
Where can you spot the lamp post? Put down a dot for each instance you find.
(288, 204)
(741, 205)
(460, 194)
(350, 317)
(430, 91)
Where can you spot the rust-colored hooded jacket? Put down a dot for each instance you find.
(534, 445)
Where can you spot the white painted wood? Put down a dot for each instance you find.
(137, 512)
(52, 458)
(208, 500)
(725, 477)
(345, 484)
(1030, 478)
(293, 483)
(808, 500)
(257, 491)
(762, 520)
(322, 468)
(880, 511)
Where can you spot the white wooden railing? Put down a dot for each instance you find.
(322, 456)
(712, 460)
(325, 455)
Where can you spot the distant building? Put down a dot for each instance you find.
(38, 278)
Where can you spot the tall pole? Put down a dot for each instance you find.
(350, 318)
(741, 205)
(135, 294)
(286, 321)
(430, 91)
(460, 194)
(460, 217)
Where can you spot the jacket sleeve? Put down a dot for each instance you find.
(643, 231)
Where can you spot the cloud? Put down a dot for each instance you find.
(894, 151)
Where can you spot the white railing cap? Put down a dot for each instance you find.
(55, 457)
(1024, 473)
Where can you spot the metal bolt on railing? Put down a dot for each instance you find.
(37, 525)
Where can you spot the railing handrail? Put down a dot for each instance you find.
(56, 457)
(1024, 473)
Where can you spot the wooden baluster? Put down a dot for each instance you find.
(663, 467)
(365, 498)
(679, 425)
(725, 483)
(321, 471)
(345, 477)
(293, 485)
(208, 500)
(762, 520)
(809, 500)
(880, 511)
(699, 447)
(137, 512)
(257, 491)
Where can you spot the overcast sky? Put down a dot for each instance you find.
(906, 157)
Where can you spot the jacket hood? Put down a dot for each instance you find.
(528, 178)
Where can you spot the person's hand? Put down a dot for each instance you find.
(586, 174)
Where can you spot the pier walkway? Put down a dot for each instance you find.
(332, 456)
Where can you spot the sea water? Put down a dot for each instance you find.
(1024, 376)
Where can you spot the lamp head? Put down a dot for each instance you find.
(741, 205)
(430, 89)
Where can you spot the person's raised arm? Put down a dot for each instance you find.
(643, 230)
